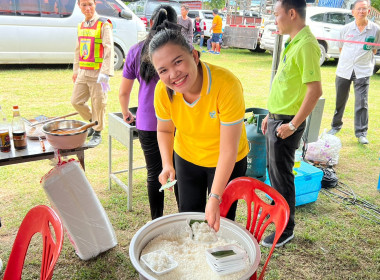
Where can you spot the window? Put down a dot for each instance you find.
(7, 7)
(28, 8)
(336, 18)
(349, 18)
(137, 7)
(208, 15)
(37, 8)
(317, 17)
(65, 7)
(108, 8)
(193, 14)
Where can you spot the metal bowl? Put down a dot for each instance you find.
(65, 141)
(228, 229)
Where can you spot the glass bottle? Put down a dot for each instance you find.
(5, 141)
(18, 130)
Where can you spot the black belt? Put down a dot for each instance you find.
(281, 117)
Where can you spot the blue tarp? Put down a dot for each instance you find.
(331, 3)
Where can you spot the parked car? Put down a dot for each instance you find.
(145, 8)
(34, 31)
(323, 22)
(207, 17)
(377, 62)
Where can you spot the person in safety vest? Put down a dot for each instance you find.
(93, 65)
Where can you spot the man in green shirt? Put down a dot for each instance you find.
(295, 91)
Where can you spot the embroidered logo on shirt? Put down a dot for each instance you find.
(311, 73)
(212, 115)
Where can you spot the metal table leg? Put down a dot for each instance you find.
(123, 133)
(130, 169)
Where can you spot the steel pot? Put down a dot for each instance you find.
(228, 229)
(64, 141)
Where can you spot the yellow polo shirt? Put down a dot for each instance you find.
(197, 136)
(218, 27)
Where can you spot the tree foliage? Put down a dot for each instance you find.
(376, 4)
(212, 4)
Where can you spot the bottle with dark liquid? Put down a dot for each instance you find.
(18, 130)
(5, 143)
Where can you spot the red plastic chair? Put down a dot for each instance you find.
(245, 188)
(38, 219)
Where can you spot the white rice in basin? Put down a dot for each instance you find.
(190, 255)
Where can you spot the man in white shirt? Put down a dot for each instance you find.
(356, 63)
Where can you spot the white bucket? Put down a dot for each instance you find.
(228, 229)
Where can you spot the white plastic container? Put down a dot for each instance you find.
(172, 264)
(228, 229)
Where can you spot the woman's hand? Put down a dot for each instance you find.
(212, 213)
(128, 117)
(167, 173)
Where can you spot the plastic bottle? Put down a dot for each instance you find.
(18, 130)
(298, 155)
(5, 141)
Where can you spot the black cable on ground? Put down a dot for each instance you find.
(345, 196)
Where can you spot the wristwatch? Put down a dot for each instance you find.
(216, 196)
(292, 127)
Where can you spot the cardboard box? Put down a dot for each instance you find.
(307, 182)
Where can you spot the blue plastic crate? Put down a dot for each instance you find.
(307, 182)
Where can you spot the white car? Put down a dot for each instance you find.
(325, 23)
(45, 32)
(145, 8)
(207, 17)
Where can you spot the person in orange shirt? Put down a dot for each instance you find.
(216, 30)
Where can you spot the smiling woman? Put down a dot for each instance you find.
(204, 105)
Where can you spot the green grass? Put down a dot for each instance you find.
(331, 242)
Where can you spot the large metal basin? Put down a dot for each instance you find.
(228, 229)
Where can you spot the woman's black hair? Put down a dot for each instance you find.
(164, 37)
(162, 15)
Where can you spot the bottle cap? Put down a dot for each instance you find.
(15, 107)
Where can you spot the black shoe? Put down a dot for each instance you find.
(333, 131)
(95, 140)
(285, 238)
(90, 132)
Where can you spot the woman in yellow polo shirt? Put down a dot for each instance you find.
(200, 110)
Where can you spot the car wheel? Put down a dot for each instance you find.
(258, 49)
(196, 39)
(323, 54)
(118, 59)
(376, 69)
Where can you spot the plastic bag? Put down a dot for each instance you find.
(80, 210)
(325, 150)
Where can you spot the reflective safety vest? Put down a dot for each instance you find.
(90, 45)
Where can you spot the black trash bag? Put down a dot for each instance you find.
(329, 179)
